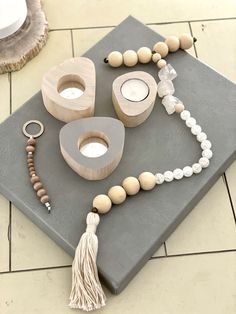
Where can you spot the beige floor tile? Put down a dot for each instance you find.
(74, 13)
(176, 29)
(231, 179)
(27, 81)
(85, 38)
(216, 45)
(209, 227)
(4, 243)
(4, 96)
(169, 285)
(31, 247)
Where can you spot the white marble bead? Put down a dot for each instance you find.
(207, 153)
(201, 137)
(206, 144)
(165, 88)
(159, 178)
(185, 115)
(197, 168)
(188, 171)
(169, 176)
(178, 174)
(204, 162)
(196, 129)
(190, 122)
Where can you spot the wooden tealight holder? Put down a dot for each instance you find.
(134, 112)
(105, 129)
(78, 73)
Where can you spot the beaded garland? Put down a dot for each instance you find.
(87, 293)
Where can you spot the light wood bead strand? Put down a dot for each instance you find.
(35, 180)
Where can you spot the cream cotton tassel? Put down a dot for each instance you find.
(86, 292)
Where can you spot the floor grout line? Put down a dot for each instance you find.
(33, 269)
(9, 233)
(194, 254)
(72, 43)
(156, 23)
(165, 248)
(194, 44)
(230, 197)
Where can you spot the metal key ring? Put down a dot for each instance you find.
(33, 122)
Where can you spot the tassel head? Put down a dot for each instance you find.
(86, 292)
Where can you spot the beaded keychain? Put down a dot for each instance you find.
(87, 293)
(30, 149)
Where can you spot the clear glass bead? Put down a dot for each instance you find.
(206, 144)
(169, 103)
(165, 88)
(201, 137)
(185, 114)
(167, 73)
(196, 129)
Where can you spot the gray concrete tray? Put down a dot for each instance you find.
(133, 231)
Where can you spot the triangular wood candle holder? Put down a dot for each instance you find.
(74, 72)
(108, 129)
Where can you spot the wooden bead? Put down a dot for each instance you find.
(30, 160)
(115, 59)
(161, 48)
(161, 63)
(41, 192)
(156, 57)
(186, 41)
(131, 185)
(173, 43)
(130, 58)
(31, 169)
(34, 179)
(31, 141)
(44, 199)
(38, 185)
(30, 164)
(144, 55)
(179, 107)
(117, 194)
(103, 203)
(147, 180)
(31, 173)
(30, 148)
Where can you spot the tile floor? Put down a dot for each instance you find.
(195, 270)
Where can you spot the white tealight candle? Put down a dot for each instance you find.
(93, 147)
(134, 90)
(12, 16)
(71, 93)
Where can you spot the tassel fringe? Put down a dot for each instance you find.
(86, 292)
